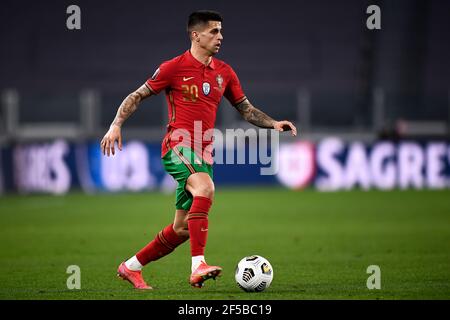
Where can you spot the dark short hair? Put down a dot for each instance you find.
(202, 17)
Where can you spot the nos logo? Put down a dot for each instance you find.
(297, 164)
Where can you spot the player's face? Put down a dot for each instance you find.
(210, 38)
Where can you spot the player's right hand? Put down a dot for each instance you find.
(107, 144)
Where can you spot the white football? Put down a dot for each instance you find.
(254, 273)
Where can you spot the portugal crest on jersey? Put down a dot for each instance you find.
(206, 88)
(219, 80)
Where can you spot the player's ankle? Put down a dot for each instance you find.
(133, 264)
(196, 260)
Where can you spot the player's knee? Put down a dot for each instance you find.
(200, 184)
(181, 231)
(205, 190)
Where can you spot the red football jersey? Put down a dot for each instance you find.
(193, 93)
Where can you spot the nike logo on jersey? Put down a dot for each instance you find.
(203, 229)
(186, 79)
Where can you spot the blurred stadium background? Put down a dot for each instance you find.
(372, 108)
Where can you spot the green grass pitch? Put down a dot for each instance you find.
(320, 244)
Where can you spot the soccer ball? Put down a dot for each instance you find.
(254, 274)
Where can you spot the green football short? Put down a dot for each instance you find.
(180, 163)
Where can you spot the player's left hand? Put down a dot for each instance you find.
(285, 126)
(107, 144)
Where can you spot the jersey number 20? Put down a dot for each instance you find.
(190, 93)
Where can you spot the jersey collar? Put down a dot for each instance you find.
(197, 63)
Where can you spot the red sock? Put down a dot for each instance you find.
(198, 225)
(164, 243)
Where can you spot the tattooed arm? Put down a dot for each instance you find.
(128, 106)
(262, 120)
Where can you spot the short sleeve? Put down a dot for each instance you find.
(161, 78)
(233, 91)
